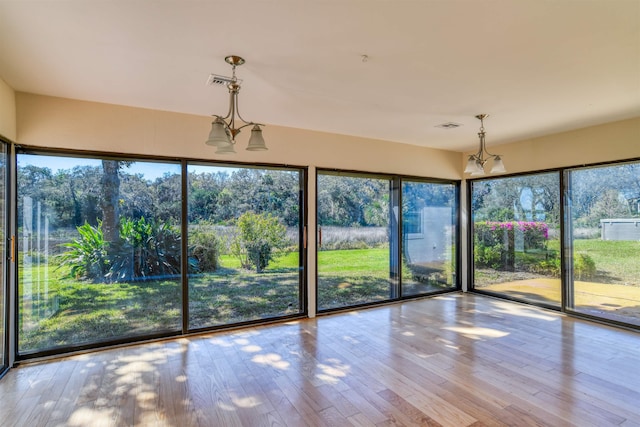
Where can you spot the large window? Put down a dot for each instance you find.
(99, 247)
(101, 240)
(516, 237)
(245, 239)
(517, 240)
(371, 250)
(603, 241)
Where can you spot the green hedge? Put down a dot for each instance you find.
(495, 246)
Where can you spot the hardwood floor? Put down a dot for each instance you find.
(455, 360)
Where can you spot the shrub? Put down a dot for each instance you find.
(87, 255)
(204, 248)
(583, 266)
(547, 264)
(259, 240)
(146, 249)
(490, 233)
(494, 246)
(488, 256)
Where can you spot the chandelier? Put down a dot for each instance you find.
(223, 129)
(476, 162)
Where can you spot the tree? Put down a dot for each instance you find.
(260, 239)
(533, 197)
(166, 202)
(109, 202)
(353, 201)
(610, 204)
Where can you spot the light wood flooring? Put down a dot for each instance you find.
(455, 360)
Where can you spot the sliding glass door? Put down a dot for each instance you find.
(517, 240)
(99, 250)
(245, 244)
(3, 258)
(516, 237)
(354, 234)
(603, 241)
(101, 241)
(429, 219)
(384, 238)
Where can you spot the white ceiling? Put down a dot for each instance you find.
(536, 66)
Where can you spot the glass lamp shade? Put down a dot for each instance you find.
(256, 141)
(225, 148)
(479, 172)
(218, 136)
(498, 165)
(471, 165)
(474, 167)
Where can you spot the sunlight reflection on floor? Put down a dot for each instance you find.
(271, 359)
(523, 311)
(476, 333)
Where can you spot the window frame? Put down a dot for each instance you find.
(566, 249)
(8, 247)
(395, 202)
(13, 337)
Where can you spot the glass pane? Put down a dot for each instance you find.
(99, 250)
(245, 257)
(605, 242)
(516, 237)
(3, 256)
(428, 237)
(353, 242)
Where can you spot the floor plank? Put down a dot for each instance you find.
(452, 360)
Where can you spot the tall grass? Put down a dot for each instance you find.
(354, 238)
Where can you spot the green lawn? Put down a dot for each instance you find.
(61, 311)
(373, 261)
(616, 261)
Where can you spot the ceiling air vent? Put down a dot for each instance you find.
(217, 80)
(449, 125)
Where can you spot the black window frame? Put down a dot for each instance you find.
(184, 330)
(395, 202)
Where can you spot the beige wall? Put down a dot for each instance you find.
(63, 123)
(7, 111)
(602, 143)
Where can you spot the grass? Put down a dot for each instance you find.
(61, 311)
(67, 312)
(373, 261)
(359, 276)
(354, 237)
(616, 261)
(351, 277)
(219, 299)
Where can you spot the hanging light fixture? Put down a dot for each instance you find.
(476, 162)
(223, 129)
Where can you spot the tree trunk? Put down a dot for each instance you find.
(109, 202)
